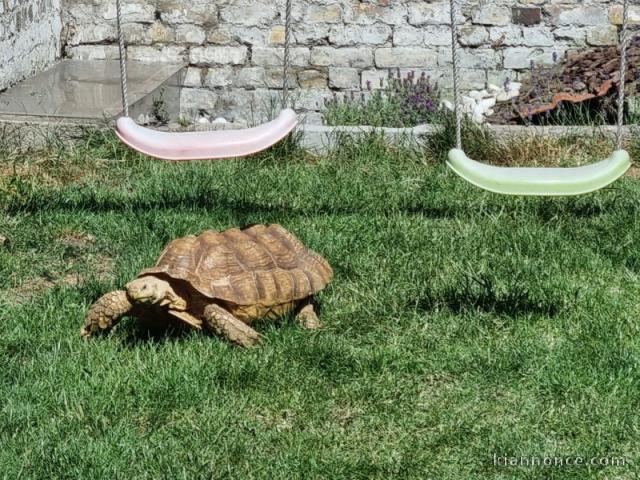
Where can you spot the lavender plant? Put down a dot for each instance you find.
(400, 101)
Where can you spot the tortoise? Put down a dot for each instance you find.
(222, 282)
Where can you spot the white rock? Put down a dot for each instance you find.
(503, 97)
(203, 121)
(220, 120)
(486, 104)
(466, 101)
(494, 89)
(447, 104)
(513, 86)
(468, 109)
(479, 109)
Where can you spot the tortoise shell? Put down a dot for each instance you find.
(258, 265)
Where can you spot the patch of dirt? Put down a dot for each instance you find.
(634, 172)
(75, 238)
(48, 172)
(280, 421)
(99, 267)
(344, 415)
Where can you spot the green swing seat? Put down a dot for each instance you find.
(540, 181)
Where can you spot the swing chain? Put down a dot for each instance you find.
(123, 60)
(287, 54)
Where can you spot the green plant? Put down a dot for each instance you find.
(159, 111)
(400, 102)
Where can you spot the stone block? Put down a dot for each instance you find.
(273, 56)
(374, 79)
(342, 57)
(344, 77)
(193, 77)
(196, 100)
(311, 34)
(348, 35)
(493, 15)
(408, 36)
(615, 14)
(538, 37)
(480, 58)
(422, 13)
(190, 34)
(150, 54)
(526, 15)
(312, 79)
(259, 13)
(211, 56)
(577, 35)
(473, 35)
(331, 13)
(93, 52)
(519, 58)
(603, 36)
(195, 12)
(251, 77)
(577, 16)
(405, 57)
(277, 35)
(508, 36)
(367, 13)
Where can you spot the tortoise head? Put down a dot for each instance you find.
(152, 290)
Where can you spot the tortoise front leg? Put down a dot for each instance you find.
(106, 312)
(223, 323)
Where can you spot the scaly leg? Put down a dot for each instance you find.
(307, 317)
(223, 323)
(106, 312)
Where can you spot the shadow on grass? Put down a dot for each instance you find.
(545, 209)
(479, 293)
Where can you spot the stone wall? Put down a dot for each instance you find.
(29, 38)
(234, 47)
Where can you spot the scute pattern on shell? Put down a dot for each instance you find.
(261, 264)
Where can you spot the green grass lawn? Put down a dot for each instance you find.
(459, 325)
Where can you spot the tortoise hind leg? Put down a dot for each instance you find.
(307, 317)
(224, 323)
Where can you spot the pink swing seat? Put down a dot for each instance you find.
(219, 144)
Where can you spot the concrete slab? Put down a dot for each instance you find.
(90, 90)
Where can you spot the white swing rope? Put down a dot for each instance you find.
(122, 48)
(287, 54)
(624, 41)
(123, 60)
(456, 73)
